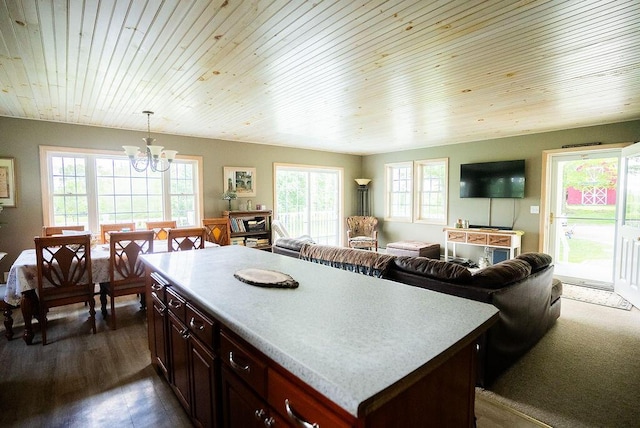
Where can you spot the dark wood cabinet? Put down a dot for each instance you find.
(158, 324)
(241, 406)
(181, 341)
(204, 397)
(179, 356)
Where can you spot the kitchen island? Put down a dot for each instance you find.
(342, 349)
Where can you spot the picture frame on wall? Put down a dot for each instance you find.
(241, 180)
(7, 182)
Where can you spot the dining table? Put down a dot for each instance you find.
(22, 281)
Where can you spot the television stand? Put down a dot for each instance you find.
(511, 239)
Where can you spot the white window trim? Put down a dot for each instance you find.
(387, 203)
(418, 215)
(45, 184)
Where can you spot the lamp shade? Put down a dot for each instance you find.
(363, 181)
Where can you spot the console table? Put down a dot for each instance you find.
(511, 239)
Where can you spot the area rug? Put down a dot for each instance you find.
(595, 296)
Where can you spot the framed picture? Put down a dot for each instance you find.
(7, 182)
(240, 180)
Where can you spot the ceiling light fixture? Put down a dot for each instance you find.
(154, 154)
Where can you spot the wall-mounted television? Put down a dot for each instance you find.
(503, 179)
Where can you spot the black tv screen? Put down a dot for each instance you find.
(503, 179)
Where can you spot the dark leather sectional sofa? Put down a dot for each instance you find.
(523, 289)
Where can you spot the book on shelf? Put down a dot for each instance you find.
(256, 225)
(256, 242)
(237, 241)
(237, 225)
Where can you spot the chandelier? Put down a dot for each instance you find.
(155, 157)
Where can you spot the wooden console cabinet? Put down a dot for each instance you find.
(237, 355)
(508, 239)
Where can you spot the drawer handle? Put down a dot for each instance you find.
(260, 414)
(197, 325)
(156, 287)
(174, 305)
(185, 333)
(238, 366)
(269, 422)
(297, 419)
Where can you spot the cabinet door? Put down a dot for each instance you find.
(158, 338)
(204, 379)
(241, 407)
(179, 356)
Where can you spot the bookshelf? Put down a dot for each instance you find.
(250, 228)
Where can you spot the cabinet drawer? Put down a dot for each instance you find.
(200, 325)
(477, 238)
(298, 407)
(457, 236)
(245, 363)
(500, 240)
(158, 286)
(177, 305)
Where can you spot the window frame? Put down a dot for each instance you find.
(388, 169)
(46, 152)
(419, 215)
(339, 171)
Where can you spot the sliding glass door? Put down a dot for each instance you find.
(308, 201)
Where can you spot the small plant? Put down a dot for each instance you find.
(229, 196)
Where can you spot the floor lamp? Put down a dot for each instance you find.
(363, 196)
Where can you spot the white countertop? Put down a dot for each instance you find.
(347, 335)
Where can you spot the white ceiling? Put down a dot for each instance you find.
(346, 76)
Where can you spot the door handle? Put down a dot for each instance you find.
(550, 218)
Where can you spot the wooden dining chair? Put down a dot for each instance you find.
(218, 230)
(161, 228)
(64, 275)
(7, 311)
(105, 229)
(126, 271)
(186, 238)
(58, 230)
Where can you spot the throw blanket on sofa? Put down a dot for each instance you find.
(360, 261)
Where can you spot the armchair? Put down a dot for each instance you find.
(362, 232)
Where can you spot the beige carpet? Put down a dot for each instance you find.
(584, 373)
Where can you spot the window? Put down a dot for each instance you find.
(399, 191)
(90, 187)
(431, 191)
(308, 201)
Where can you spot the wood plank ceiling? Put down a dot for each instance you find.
(346, 76)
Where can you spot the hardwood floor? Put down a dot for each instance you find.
(491, 414)
(81, 379)
(105, 380)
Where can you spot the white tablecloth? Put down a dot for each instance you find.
(23, 274)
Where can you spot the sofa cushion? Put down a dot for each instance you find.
(538, 261)
(501, 274)
(436, 269)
